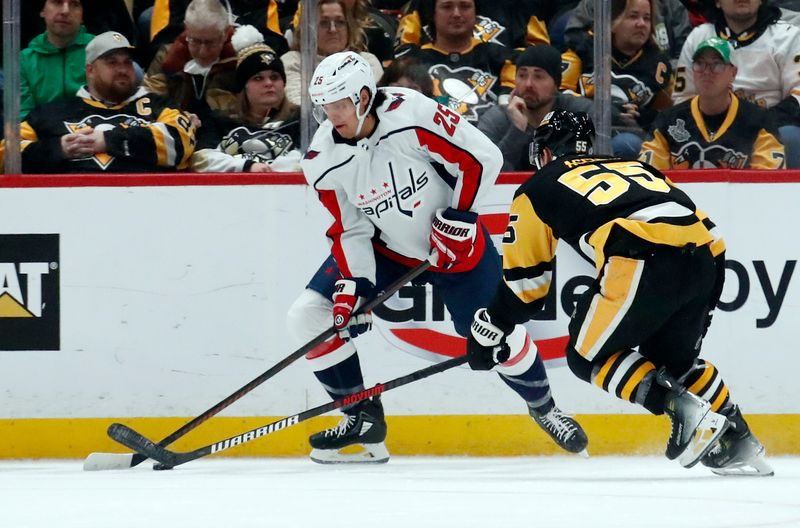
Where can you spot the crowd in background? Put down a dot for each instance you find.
(215, 85)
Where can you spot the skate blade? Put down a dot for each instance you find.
(755, 467)
(708, 431)
(583, 453)
(354, 454)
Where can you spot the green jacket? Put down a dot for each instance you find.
(48, 73)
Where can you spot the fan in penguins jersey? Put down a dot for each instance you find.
(636, 331)
(402, 179)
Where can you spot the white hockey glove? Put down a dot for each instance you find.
(486, 344)
(453, 235)
(348, 295)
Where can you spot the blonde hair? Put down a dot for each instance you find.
(356, 38)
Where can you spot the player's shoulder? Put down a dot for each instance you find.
(323, 154)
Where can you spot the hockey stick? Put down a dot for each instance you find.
(130, 438)
(103, 461)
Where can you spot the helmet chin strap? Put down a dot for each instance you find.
(363, 117)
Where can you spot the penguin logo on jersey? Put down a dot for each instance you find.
(262, 145)
(102, 124)
(694, 156)
(625, 88)
(467, 90)
(487, 30)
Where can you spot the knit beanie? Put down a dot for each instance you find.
(542, 56)
(253, 55)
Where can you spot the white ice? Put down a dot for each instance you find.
(563, 492)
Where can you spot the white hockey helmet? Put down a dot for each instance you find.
(339, 76)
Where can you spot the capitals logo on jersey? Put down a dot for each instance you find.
(261, 145)
(101, 124)
(468, 90)
(398, 192)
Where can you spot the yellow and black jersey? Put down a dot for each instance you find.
(645, 79)
(142, 134)
(512, 23)
(743, 137)
(600, 206)
(469, 82)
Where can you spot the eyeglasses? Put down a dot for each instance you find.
(332, 24)
(715, 67)
(204, 43)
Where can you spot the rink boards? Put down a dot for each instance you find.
(148, 299)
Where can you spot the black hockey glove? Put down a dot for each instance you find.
(486, 344)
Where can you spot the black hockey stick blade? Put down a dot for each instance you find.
(102, 461)
(146, 447)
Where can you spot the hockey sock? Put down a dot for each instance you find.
(342, 378)
(532, 385)
(631, 377)
(704, 380)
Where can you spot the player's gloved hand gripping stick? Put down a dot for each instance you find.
(103, 461)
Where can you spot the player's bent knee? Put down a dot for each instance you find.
(578, 364)
(309, 316)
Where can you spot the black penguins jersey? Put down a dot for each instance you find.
(468, 82)
(600, 206)
(744, 137)
(142, 134)
(512, 23)
(230, 145)
(644, 79)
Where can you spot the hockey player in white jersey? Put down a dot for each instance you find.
(402, 178)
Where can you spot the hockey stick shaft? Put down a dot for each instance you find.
(285, 362)
(130, 438)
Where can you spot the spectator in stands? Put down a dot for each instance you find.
(112, 124)
(408, 74)
(200, 65)
(511, 127)
(260, 132)
(512, 23)
(166, 21)
(379, 29)
(338, 30)
(765, 50)
(641, 74)
(670, 26)
(52, 66)
(470, 75)
(715, 128)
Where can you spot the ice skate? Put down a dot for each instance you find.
(738, 451)
(358, 438)
(695, 428)
(563, 429)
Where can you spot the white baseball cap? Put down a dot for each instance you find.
(105, 43)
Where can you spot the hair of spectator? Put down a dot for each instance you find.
(207, 14)
(356, 38)
(426, 10)
(410, 69)
(618, 8)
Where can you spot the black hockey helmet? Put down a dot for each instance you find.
(562, 132)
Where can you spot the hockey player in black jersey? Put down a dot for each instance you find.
(636, 331)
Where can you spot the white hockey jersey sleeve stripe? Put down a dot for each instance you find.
(471, 169)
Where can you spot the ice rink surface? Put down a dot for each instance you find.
(615, 492)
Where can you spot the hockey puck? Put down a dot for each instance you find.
(158, 466)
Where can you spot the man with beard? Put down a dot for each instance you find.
(111, 124)
(512, 127)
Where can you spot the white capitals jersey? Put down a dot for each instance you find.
(421, 157)
(768, 66)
